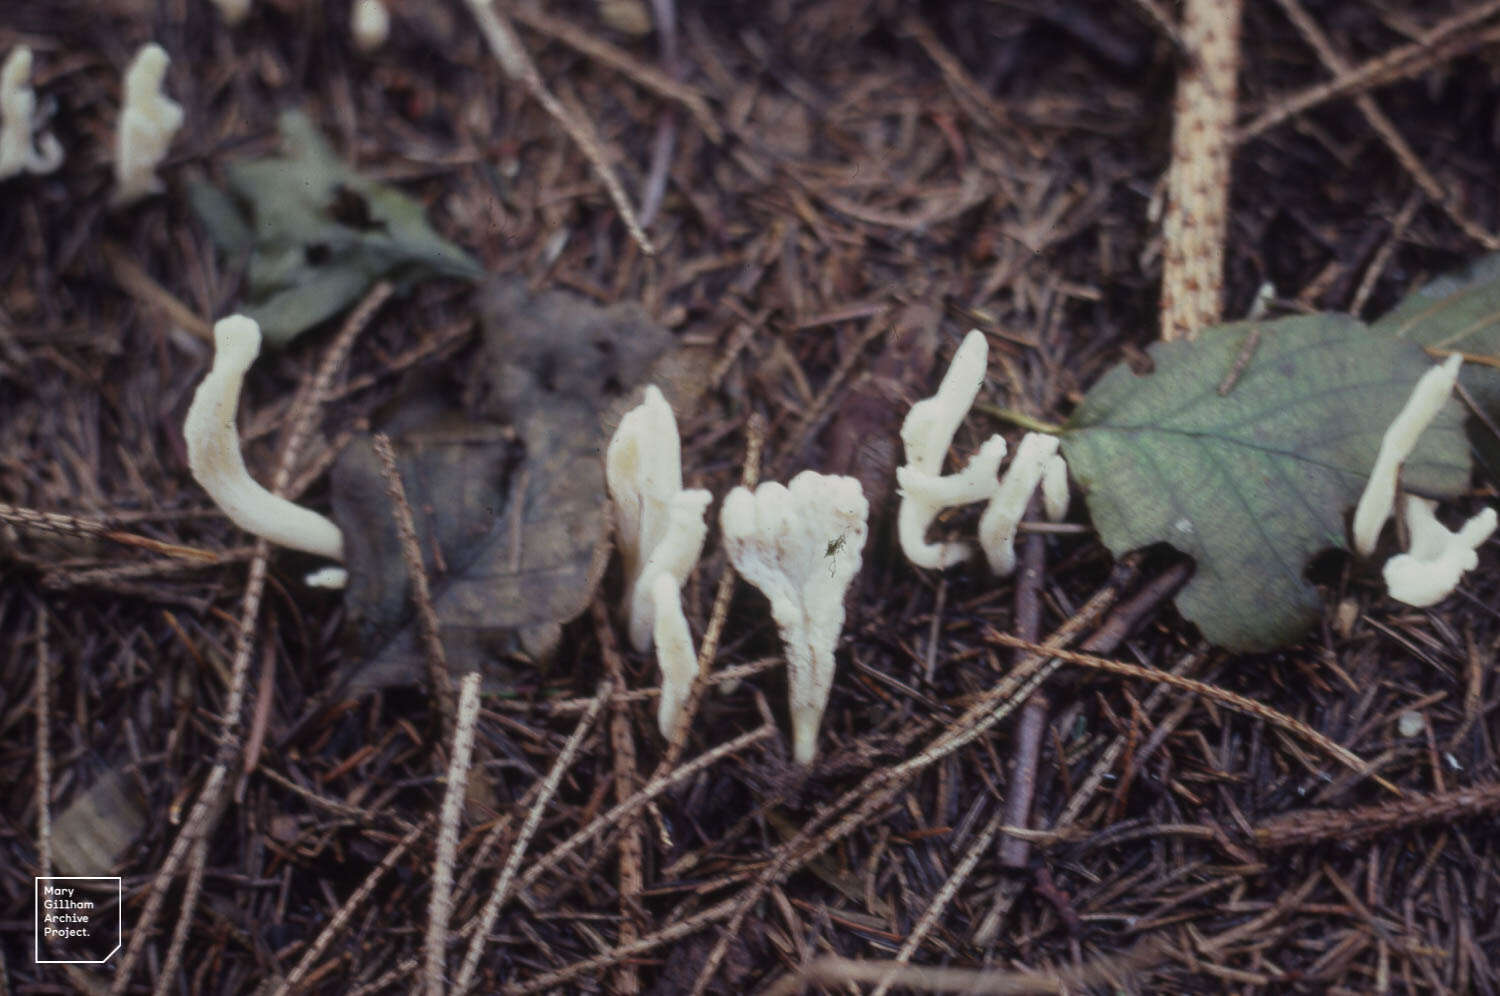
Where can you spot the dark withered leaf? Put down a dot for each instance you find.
(513, 541)
(549, 348)
(509, 501)
(319, 233)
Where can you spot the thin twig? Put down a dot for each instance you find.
(513, 59)
(411, 553)
(71, 525)
(1384, 127)
(627, 980)
(43, 746)
(487, 916)
(653, 788)
(440, 902)
(345, 912)
(1027, 752)
(197, 863)
(661, 83)
(1409, 60)
(1224, 697)
(1311, 826)
(939, 905)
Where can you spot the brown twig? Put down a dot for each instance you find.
(1314, 825)
(1027, 752)
(1447, 40)
(411, 554)
(1384, 127)
(517, 64)
(1233, 700)
(43, 746)
(71, 525)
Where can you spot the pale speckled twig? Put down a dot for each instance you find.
(440, 902)
(197, 862)
(1193, 230)
(482, 924)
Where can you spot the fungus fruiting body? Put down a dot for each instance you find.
(1379, 496)
(1055, 488)
(22, 150)
(148, 120)
(370, 23)
(924, 495)
(658, 525)
(1431, 569)
(674, 652)
(928, 429)
(1001, 518)
(213, 447)
(800, 544)
(926, 434)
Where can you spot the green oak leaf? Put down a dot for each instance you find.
(1254, 482)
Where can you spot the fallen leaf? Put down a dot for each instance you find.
(514, 539)
(1254, 482)
(319, 234)
(508, 499)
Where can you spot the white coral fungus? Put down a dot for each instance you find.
(1379, 496)
(658, 525)
(1430, 571)
(926, 434)
(674, 652)
(148, 120)
(21, 149)
(213, 447)
(1002, 517)
(800, 544)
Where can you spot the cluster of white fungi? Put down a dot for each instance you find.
(148, 118)
(800, 544)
